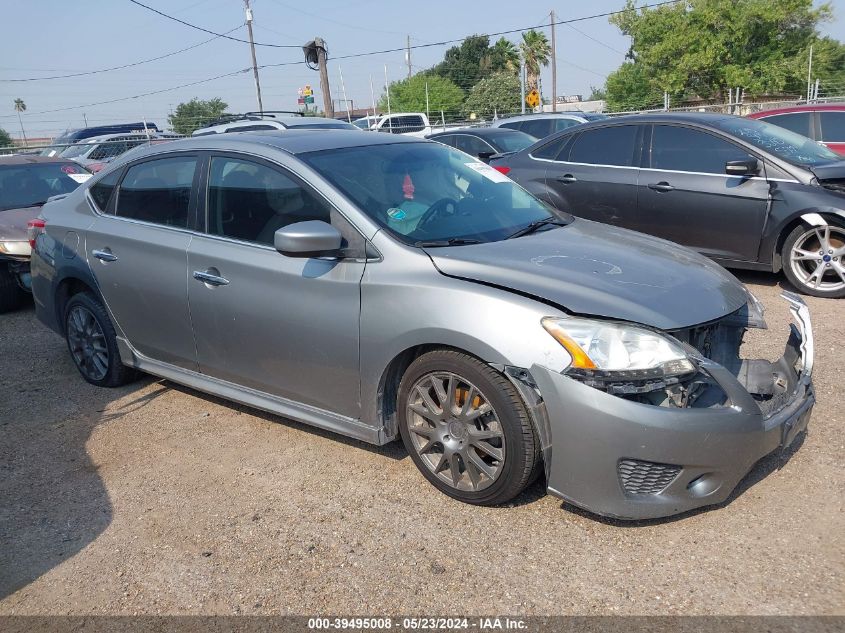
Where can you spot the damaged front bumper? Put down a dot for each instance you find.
(633, 460)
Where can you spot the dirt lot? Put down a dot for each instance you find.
(156, 499)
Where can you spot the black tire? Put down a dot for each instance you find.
(801, 285)
(115, 373)
(11, 294)
(521, 448)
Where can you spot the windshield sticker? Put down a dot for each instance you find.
(488, 172)
(69, 169)
(396, 214)
(80, 178)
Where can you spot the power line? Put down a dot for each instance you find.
(597, 41)
(199, 28)
(124, 66)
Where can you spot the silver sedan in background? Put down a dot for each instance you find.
(385, 287)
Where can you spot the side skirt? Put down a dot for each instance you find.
(297, 411)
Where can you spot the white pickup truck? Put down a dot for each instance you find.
(407, 123)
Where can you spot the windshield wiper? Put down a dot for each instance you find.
(452, 241)
(525, 230)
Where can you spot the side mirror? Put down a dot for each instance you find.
(313, 238)
(749, 167)
(485, 156)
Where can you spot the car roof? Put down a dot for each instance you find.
(809, 107)
(481, 132)
(546, 115)
(290, 141)
(30, 159)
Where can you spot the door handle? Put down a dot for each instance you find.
(568, 178)
(661, 186)
(104, 255)
(210, 278)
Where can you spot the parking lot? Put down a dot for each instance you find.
(155, 499)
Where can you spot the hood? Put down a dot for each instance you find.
(830, 171)
(593, 269)
(13, 223)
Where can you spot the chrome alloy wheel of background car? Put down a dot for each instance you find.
(817, 256)
(456, 431)
(87, 343)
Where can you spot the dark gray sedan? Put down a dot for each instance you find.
(743, 192)
(382, 286)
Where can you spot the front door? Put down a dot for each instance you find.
(685, 195)
(137, 253)
(597, 180)
(280, 325)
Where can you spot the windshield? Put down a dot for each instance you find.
(30, 185)
(776, 140)
(512, 142)
(428, 192)
(77, 150)
(364, 124)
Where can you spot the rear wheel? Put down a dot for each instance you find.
(814, 260)
(92, 342)
(11, 294)
(466, 428)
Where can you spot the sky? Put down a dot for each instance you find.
(43, 38)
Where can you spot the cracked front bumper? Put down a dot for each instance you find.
(628, 460)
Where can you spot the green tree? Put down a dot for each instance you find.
(466, 64)
(20, 108)
(195, 114)
(597, 94)
(408, 95)
(503, 55)
(703, 48)
(497, 94)
(536, 52)
(5, 142)
(629, 87)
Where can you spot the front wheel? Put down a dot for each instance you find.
(466, 428)
(814, 260)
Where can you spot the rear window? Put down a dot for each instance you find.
(30, 185)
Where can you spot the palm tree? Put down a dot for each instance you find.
(20, 106)
(535, 51)
(503, 55)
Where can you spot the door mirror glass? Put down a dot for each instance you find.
(312, 238)
(748, 167)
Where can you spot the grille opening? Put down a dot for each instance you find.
(640, 477)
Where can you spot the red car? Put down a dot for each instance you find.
(821, 122)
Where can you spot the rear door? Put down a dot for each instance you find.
(686, 196)
(596, 176)
(137, 251)
(287, 326)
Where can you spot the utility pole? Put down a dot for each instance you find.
(810, 73)
(408, 55)
(252, 50)
(522, 82)
(324, 77)
(554, 63)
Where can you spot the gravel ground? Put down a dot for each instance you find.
(155, 499)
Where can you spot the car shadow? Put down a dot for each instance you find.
(763, 278)
(53, 502)
(762, 469)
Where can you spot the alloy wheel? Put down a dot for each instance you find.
(816, 258)
(87, 343)
(455, 431)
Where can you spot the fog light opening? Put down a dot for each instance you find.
(704, 485)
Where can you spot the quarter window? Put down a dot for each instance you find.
(606, 146)
(158, 191)
(551, 151)
(250, 201)
(798, 122)
(683, 149)
(833, 126)
(101, 191)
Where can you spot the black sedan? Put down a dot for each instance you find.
(743, 192)
(484, 142)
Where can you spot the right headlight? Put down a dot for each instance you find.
(618, 350)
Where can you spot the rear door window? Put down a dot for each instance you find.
(833, 126)
(473, 145)
(563, 124)
(676, 148)
(538, 128)
(158, 191)
(799, 122)
(606, 146)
